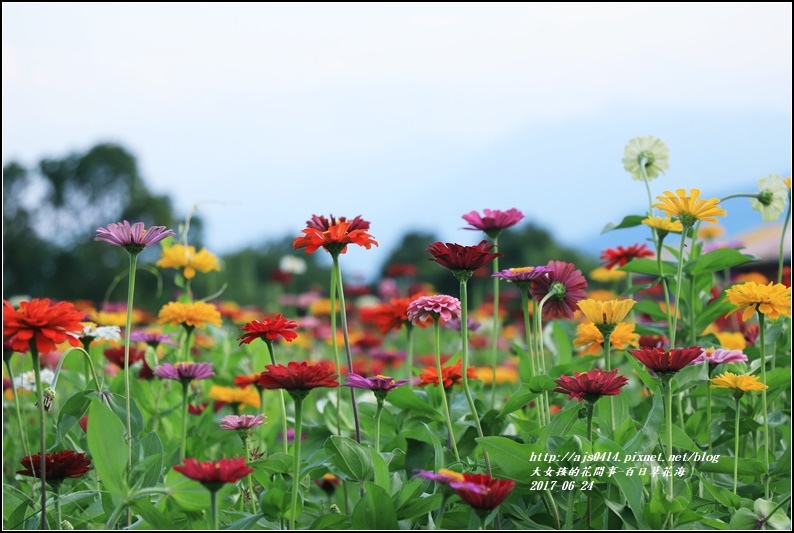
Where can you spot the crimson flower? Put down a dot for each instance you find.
(246, 381)
(496, 491)
(323, 224)
(492, 222)
(116, 355)
(462, 260)
(269, 330)
(591, 385)
(57, 466)
(567, 285)
(396, 270)
(652, 341)
(298, 376)
(334, 239)
(46, 323)
(621, 255)
(450, 375)
(667, 362)
(214, 474)
(133, 238)
(328, 483)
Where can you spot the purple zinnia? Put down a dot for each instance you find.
(184, 372)
(152, 339)
(566, 286)
(441, 306)
(380, 385)
(522, 276)
(453, 479)
(454, 324)
(719, 356)
(233, 422)
(133, 238)
(492, 222)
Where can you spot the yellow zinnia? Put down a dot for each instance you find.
(664, 224)
(590, 339)
(742, 382)
(606, 313)
(689, 208)
(504, 374)
(186, 257)
(236, 396)
(606, 275)
(771, 300)
(709, 233)
(196, 314)
(731, 341)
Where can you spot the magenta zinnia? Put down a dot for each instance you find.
(568, 286)
(493, 221)
(591, 385)
(133, 238)
(184, 372)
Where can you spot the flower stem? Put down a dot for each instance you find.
(183, 441)
(678, 287)
(740, 195)
(763, 400)
(590, 408)
(783, 241)
(608, 356)
(127, 332)
(247, 442)
(283, 405)
(22, 433)
(42, 430)
(464, 331)
(56, 498)
(708, 417)
(495, 331)
(736, 450)
(530, 348)
(409, 330)
(296, 449)
(378, 412)
(336, 349)
(668, 397)
(214, 509)
(437, 335)
(346, 336)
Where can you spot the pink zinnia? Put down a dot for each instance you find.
(568, 284)
(440, 306)
(492, 222)
(232, 422)
(133, 238)
(462, 259)
(719, 356)
(184, 372)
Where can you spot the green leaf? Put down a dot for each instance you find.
(276, 503)
(650, 308)
(276, 463)
(71, 412)
(118, 405)
(744, 519)
(713, 311)
(244, 523)
(562, 422)
(648, 436)
(331, 521)
(518, 399)
(155, 518)
(630, 486)
(108, 449)
(419, 506)
(562, 342)
(375, 510)
(724, 465)
(721, 494)
(541, 383)
(147, 457)
(188, 494)
(381, 470)
(411, 402)
(649, 267)
(629, 221)
(690, 376)
(351, 458)
(517, 461)
(718, 260)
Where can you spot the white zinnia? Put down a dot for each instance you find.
(655, 153)
(775, 193)
(27, 380)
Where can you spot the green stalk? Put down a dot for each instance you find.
(495, 332)
(736, 449)
(530, 349)
(668, 397)
(464, 331)
(183, 441)
(783, 241)
(336, 349)
(345, 335)
(608, 352)
(22, 433)
(763, 400)
(590, 408)
(678, 286)
(56, 498)
(214, 509)
(437, 334)
(708, 415)
(542, 352)
(42, 430)
(666, 288)
(246, 442)
(296, 450)
(377, 425)
(283, 405)
(127, 332)
(409, 330)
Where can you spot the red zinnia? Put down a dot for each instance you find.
(457, 257)
(450, 375)
(214, 474)
(396, 270)
(496, 491)
(323, 224)
(49, 324)
(335, 239)
(569, 286)
(269, 330)
(667, 362)
(116, 355)
(620, 256)
(591, 385)
(57, 466)
(298, 376)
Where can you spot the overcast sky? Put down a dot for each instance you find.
(407, 114)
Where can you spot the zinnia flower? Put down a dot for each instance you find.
(606, 313)
(237, 397)
(730, 340)
(132, 238)
(709, 233)
(568, 286)
(665, 224)
(522, 276)
(236, 422)
(186, 258)
(667, 362)
(116, 355)
(621, 255)
(649, 152)
(605, 275)
(184, 372)
(214, 474)
(772, 300)
(153, 339)
(591, 385)
(720, 356)
(299, 376)
(590, 339)
(391, 316)
(462, 260)
(269, 329)
(92, 332)
(379, 385)
(450, 375)
(689, 208)
(292, 264)
(496, 491)
(328, 483)
(324, 224)
(426, 308)
(57, 466)
(772, 197)
(334, 239)
(492, 222)
(45, 323)
(196, 314)
(742, 382)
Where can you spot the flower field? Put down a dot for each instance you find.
(651, 393)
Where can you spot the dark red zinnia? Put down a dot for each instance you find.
(57, 466)
(214, 474)
(116, 355)
(457, 257)
(496, 491)
(321, 223)
(591, 385)
(269, 329)
(652, 341)
(568, 284)
(298, 376)
(40, 320)
(667, 362)
(621, 255)
(396, 270)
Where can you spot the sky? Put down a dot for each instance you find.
(411, 115)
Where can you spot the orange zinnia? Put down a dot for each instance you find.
(334, 240)
(43, 322)
(450, 375)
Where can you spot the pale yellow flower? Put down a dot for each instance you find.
(648, 152)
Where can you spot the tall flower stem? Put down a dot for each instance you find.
(283, 405)
(783, 241)
(736, 448)
(464, 331)
(42, 430)
(214, 509)
(346, 336)
(665, 286)
(56, 498)
(668, 412)
(336, 349)
(679, 280)
(296, 449)
(708, 416)
(608, 356)
(590, 408)
(22, 433)
(247, 443)
(409, 355)
(495, 331)
(437, 335)
(530, 348)
(378, 412)
(183, 441)
(127, 332)
(762, 328)
(541, 353)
